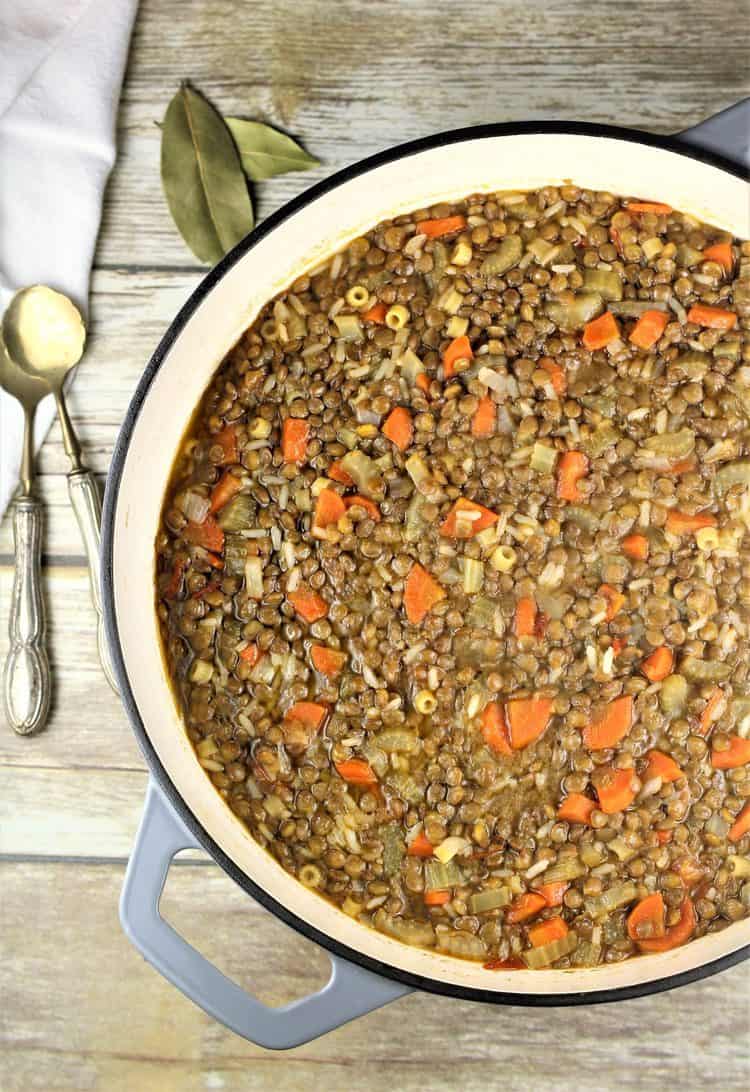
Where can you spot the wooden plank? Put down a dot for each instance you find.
(82, 1010)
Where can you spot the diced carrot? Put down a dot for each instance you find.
(525, 619)
(524, 907)
(227, 441)
(614, 789)
(484, 421)
(436, 898)
(446, 225)
(657, 207)
(364, 502)
(337, 473)
(552, 893)
(664, 837)
(556, 373)
(741, 825)
(618, 644)
(310, 713)
(421, 593)
(399, 428)
(682, 466)
(712, 711)
(636, 547)
(376, 313)
(615, 600)
(547, 931)
(689, 870)
(680, 523)
(207, 534)
(600, 332)
(495, 729)
(648, 329)
(328, 661)
(576, 808)
(722, 254)
(295, 433)
(459, 349)
(227, 487)
(511, 964)
(423, 382)
(646, 919)
(737, 754)
(251, 654)
(308, 604)
(356, 771)
(467, 517)
(661, 765)
(172, 588)
(714, 317)
(420, 846)
(676, 934)
(659, 664)
(610, 725)
(527, 720)
(572, 467)
(329, 508)
(214, 560)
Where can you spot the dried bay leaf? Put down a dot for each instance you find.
(202, 177)
(266, 152)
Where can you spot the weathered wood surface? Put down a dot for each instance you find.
(80, 1009)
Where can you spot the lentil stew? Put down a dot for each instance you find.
(454, 580)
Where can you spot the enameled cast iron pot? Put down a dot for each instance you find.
(702, 171)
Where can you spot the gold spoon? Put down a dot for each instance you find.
(27, 682)
(45, 336)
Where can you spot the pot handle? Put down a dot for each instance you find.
(350, 992)
(726, 133)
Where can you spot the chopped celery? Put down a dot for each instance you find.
(736, 473)
(505, 257)
(604, 281)
(675, 445)
(535, 958)
(463, 945)
(393, 848)
(473, 575)
(237, 514)
(201, 672)
(254, 577)
(571, 316)
(673, 695)
(364, 471)
(567, 868)
(543, 458)
(397, 740)
(621, 848)
(586, 954)
(619, 895)
(438, 876)
(591, 854)
(235, 553)
(409, 931)
(697, 670)
(491, 899)
(349, 327)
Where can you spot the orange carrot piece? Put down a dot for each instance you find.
(572, 467)
(618, 644)
(614, 789)
(525, 620)
(712, 711)
(675, 935)
(459, 349)
(524, 907)
(635, 547)
(600, 332)
(661, 765)
(421, 593)
(576, 808)
(337, 473)
(495, 729)
(328, 661)
(308, 604)
(682, 466)
(648, 329)
(227, 487)
(527, 720)
(659, 664)
(722, 254)
(295, 433)
(646, 919)
(436, 898)
(207, 534)
(680, 523)
(615, 600)
(310, 713)
(556, 373)
(356, 771)
(227, 441)
(172, 588)
(251, 654)
(423, 382)
(329, 508)
(552, 893)
(420, 846)
(547, 931)
(364, 502)
(376, 313)
(657, 207)
(664, 837)
(484, 421)
(399, 428)
(446, 225)
(716, 318)
(463, 512)
(741, 825)
(610, 725)
(737, 754)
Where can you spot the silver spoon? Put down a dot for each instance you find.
(45, 336)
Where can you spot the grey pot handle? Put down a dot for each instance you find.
(726, 133)
(350, 992)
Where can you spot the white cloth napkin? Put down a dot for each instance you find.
(61, 69)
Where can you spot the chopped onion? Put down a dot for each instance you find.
(449, 847)
(194, 506)
(254, 577)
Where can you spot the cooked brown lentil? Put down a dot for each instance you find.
(454, 580)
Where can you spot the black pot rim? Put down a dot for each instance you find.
(335, 947)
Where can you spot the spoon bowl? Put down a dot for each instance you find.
(44, 333)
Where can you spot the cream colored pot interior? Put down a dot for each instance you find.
(300, 243)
